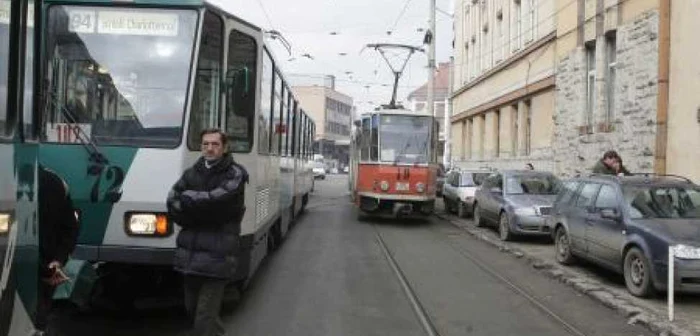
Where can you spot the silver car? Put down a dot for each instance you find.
(460, 188)
(518, 201)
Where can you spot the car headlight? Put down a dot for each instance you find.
(686, 252)
(420, 187)
(4, 223)
(147, 224)
(384, 185)
(528, 211)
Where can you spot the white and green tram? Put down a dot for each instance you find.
(127, 87)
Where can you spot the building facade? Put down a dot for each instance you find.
(417, 101)
(598, 75)
(332, 112)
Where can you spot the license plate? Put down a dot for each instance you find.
(402, 186)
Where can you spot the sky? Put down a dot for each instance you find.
(324, 29)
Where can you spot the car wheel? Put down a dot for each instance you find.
(638, 273)
(504, 228)
(477, 216)
(461, 209)
(562, 244)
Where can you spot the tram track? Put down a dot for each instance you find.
(423, 315)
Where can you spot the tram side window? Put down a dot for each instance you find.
(374, 142)
(240, 94)
(274, 115)
(205, 101)
(267, 101)
(282, 125)
(364, 145)
(6, 120)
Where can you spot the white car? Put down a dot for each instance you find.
(459, 189)
(319, 172)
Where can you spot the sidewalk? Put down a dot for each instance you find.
(605, 287)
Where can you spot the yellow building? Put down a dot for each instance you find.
(573, 79)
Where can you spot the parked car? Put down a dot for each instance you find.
(627, 224)
(319, 171)
(460, 188)
(517, 201)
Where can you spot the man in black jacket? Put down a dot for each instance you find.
(58, 233)
(208, 203)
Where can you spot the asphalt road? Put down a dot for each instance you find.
(335, 275)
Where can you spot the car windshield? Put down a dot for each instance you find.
(662, 202)
(120, 75)
(532, 184)
(472, 179)
(404, 139)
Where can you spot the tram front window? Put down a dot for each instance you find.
(119, 74)
(404, 139)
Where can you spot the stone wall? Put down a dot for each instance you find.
(632, 131)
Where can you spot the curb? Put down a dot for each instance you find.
(591, 288)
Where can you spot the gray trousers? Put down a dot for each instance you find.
(203, 298)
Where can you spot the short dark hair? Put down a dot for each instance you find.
(214, 130)
(611, 154)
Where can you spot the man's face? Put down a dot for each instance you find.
(212, 146)
(610, 162)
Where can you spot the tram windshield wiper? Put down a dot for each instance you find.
(84, 139)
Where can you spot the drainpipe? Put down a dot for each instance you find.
(662, 85)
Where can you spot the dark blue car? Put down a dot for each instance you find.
(627, 225)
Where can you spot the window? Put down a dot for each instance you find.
(270, 83)
(28, 121)
(518, 24)
(284, 124)
(7, 120)
(590, 82)
(366, 139)
(240, 107)
(531, 7)
(611, 61)
(129, 89)
(567, 193)
(585, 198)
(205, 100)
(277, 105)
(607, 198)
(500, 46)
(374, 144)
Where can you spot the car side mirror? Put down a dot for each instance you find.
(611, 214)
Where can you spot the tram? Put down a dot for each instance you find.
(19, 234)
(394, 163)
(128, 86)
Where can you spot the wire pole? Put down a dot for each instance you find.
(431, 61)
(447, 158)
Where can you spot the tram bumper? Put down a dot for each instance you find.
(397, 205)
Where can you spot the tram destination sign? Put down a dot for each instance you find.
(122, 22)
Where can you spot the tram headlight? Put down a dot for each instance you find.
(147, 224)
(384, 185)
(420, 187)
(4, 223)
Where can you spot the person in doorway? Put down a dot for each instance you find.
(208, 203)
(58, 234)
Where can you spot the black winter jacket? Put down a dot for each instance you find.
(58, 225)
(208, 203)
